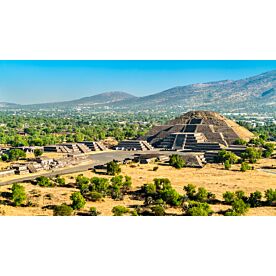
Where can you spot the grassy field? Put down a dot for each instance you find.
(213, 177)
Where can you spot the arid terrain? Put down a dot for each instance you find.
(213, 177)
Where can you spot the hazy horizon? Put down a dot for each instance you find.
(27, 82)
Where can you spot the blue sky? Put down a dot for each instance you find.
(48, 81)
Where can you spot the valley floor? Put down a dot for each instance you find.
(213, 177)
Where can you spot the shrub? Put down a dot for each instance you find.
(227, 165)
(255, 199)
(224, 155)
(18, 194)
(16, 154)
(113, 168)
(229, 197)
(239, 208)
(43, 181)
(60, 181)
(240, 142)
(158, 210)
(82, 180)
(171, 196)
(119, 210)
(149, 189)
(201, 195)
(4, 157)
(38, 152)
(99, 184)
(78, 200)
(198, 209)
(176, 161)
(63, 210)
(269, 148)
(93, 211)
(245, 166)
(270, 196)
(251, 154)
(94, 196)
(190, 190)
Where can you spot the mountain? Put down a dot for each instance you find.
(7, 105)
(92, 101)
(256, 93)
(253, 94)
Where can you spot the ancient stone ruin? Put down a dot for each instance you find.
(198, 131)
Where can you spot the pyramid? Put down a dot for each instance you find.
(197, 131)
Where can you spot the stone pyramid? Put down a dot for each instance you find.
(197, 130)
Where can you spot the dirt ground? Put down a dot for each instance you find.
(213, 177)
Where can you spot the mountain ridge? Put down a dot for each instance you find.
(252, 93)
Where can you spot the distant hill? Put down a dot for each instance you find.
(92, 101)
(7, 105)
(254, 94)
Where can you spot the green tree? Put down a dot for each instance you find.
(229, 197)
(63, 210)
(78, 200)
(44, 181)
(270, 196)
(201, 195)
(240, 142)
(60, 181)
(18, 194)
(120, 210)
(158, 210)
(224, 155)
(94, 196)
(195, 208)
(251, 154)
(4, 157)
(16, 154)
(176, 161)
(38, 152)
(113, 168)
(239, 208)
(269, 148)
(99, 184)
(190, 190)
(255, 199)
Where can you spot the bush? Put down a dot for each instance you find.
(245, 166)
(269, 148)
(229, 197)
(94, 196)
(201, 195)
(224, 155)
(5, 157)
(251, 154)
(16, 154)
(195, 208)
(38, 152)
(270, 196)
(158, 210)
(93, 211)
(78, 200)
(239, 208)
(82, 180)
(119, 210)
(18, 194)
(63, 210)
(240, 142)
(176, 161)
(227, 165)
(60, 181)
(44, 181)
(113, 168)
(190, 190)
(99, 184)
(255, 199)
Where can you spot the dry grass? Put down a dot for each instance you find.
(213, 177)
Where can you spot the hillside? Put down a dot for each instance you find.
(257, 93)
